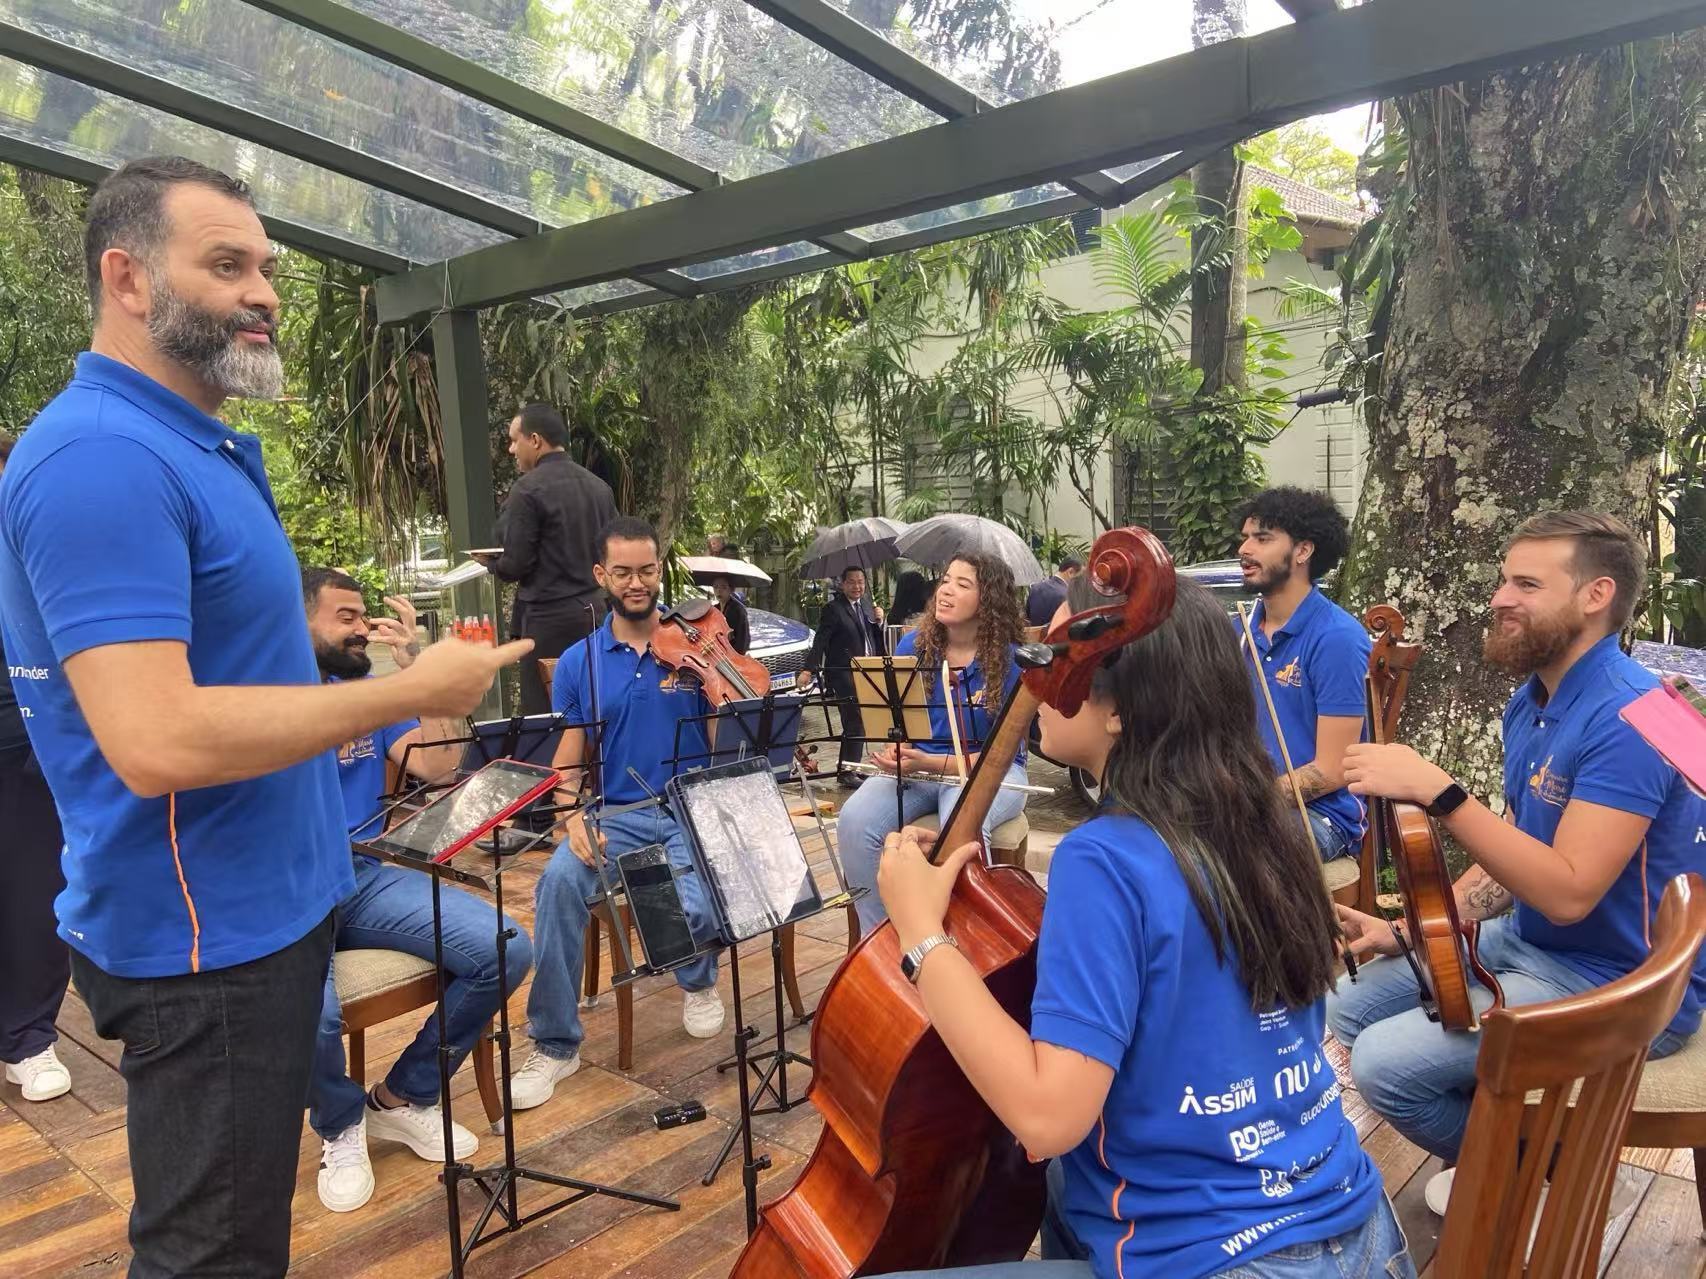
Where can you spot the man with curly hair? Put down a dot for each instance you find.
(1313, 656)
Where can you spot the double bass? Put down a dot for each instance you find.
(1439, 946)
(912, 1169)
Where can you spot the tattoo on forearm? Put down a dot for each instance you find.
(1485, 897)
(1309, 781)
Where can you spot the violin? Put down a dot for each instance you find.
(1440, 948)
(694, 639)
(912, 1169)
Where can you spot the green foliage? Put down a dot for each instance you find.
(1306, 153)
(44, 306)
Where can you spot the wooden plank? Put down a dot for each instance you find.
(1663, 1237)
(1618, 1226)
(76, 1022)
(1396, 1158)
(52, 1119)
(93, 1082)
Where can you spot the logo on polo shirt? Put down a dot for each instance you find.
(1291, 674)
(361, 748)
(1550, 787)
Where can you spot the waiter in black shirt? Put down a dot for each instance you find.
(850, 627)
(549, 527)
(35, 964)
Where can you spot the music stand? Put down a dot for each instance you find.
(482, 865)
(892, 696)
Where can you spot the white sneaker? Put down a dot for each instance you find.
(702, 1012)
(534, 1083)
(346, 1173)
(1437, 1193)
(421, 1129)
(42, 1077)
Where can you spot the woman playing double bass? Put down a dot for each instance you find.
(1172, 1066)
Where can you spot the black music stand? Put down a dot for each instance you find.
(482, 865)
(896, 686)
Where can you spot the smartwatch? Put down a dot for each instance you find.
(1447, 802)
(912, 961)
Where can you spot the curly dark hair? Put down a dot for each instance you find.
(1304, 516)
(1000, 624)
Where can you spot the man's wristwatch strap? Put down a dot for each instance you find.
(913, 960)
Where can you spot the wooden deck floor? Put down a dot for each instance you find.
(65, 1185)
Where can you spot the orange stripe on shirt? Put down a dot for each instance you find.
(1114, 1202)
(178, 863)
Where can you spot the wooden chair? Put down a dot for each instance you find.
(1391, 686)
(377, 985)
(1594, 1046)
(547, 668)
(604, 924)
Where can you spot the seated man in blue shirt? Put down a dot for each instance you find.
(153, 603)
(391, 909)
(640, 704)
(1596, 823)
(1314, 657)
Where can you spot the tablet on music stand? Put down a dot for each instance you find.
(467, 810)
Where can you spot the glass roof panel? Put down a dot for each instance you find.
(747, 261)
(1009, 50)
(232, 52)
(713, 80)
(76, 120)
(960, 212)
(587, 294)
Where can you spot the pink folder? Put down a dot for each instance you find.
(1675, 728)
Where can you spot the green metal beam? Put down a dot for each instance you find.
(88, 173)
(138, 86)
(853, 42)
(1210, 97)
(465, 76)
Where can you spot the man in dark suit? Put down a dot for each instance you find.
(850, 627)
(1049, 594)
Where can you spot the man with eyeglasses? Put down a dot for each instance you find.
(642, 710)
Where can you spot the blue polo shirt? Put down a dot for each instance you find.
(126, 515)
(971, 699)
(641, 705)
(1222, 1138)
(362, 777)
(1575, 745)
(1316, 664)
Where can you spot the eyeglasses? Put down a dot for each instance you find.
(622, 575)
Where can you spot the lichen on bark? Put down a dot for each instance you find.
(1554, 253)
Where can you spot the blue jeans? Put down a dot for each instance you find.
(869, 817)
(1374, 1250)
(563, 905)
(1416, 1075)
(391, 909)
(1330, 841)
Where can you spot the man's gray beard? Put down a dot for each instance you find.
(210, 348)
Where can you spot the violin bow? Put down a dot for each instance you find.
(1279, 733)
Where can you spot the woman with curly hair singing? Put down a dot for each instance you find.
(973, 624)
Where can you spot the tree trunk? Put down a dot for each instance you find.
(1554, 255)
(1218, 299)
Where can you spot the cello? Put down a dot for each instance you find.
(1440, 948)
(912, 1169)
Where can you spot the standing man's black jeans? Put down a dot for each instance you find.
(853, 745)
(217, 1068)
(34, 962)
(552, 626)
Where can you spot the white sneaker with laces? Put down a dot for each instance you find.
(702, 1012)
(42, 1077)
(534, 1083)
(346, 1173)
(421, 1129)
(1437, 1193)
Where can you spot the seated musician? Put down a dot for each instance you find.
(1315, 656)
(640, 704)
(974, 625)
(1173, 1063)
(391, 909)
(1595, 825)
